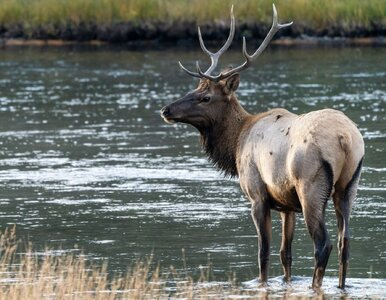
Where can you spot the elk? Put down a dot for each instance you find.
(286, 162)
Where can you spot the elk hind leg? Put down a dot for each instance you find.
(322, 247)
(343, 238)
(343, 199)
(314, 193)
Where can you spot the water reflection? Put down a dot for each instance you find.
(85, 158)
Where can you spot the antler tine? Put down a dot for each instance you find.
(189, 72)
(250, 58)
(213, 56)
(274, 28)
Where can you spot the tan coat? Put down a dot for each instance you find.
(282, 151)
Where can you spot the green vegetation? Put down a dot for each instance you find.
(314, 13)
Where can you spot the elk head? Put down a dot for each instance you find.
(214, 97)
(205, 105)
(213, 107)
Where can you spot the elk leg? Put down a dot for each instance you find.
(322, 251)
(343, 244)
(288, 227)
(342, 203)
(313, 195)
(261, 215)
(322, 245)
(343, 199)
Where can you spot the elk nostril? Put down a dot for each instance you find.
(165, 111)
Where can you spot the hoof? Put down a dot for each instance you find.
(317, 288)
(316, 285)
(262, 283)
(287, 280)
(342, 286)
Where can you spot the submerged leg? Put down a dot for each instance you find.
(288, 227)
(261, 215)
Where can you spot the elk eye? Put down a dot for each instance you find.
(205, 99)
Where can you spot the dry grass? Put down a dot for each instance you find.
(25, 274)
(314, 13)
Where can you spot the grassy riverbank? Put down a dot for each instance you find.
(315, 13)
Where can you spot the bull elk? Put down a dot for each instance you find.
(286, 162)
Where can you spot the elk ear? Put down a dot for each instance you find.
(232, 83)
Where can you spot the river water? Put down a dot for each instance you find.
(87, 163)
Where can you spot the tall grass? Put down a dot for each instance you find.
(26, 274)
(314, 13)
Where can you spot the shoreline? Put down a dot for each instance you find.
(291, 42)
(184, 34)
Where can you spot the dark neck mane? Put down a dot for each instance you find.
(220, 140)
(222, 156)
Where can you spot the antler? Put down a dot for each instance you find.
(213, 56)
(248, 58)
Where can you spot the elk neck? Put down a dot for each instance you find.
(220, 139)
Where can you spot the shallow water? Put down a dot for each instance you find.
(358, 288)
(86, 161)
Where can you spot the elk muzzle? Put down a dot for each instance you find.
(184, 110)
(166, 115)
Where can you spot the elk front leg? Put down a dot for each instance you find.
(261, 215)
(288, 227)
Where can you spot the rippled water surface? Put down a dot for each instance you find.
(86, 161)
